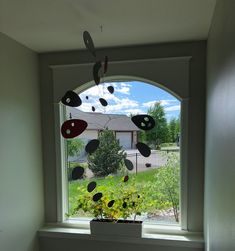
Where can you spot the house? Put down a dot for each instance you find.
(125, 130)
(192, 34)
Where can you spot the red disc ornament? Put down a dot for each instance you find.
(73, 128)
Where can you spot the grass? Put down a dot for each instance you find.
(148, 184)
(140, 179)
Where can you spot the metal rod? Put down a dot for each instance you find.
(136, 159)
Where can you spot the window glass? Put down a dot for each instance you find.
(132, 185)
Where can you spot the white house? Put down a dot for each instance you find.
(125, 130)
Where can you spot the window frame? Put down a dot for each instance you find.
(61, 170)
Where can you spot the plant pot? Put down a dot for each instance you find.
(123, 228)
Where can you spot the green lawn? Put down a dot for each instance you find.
(143, 180)
(156, 188)
(142, 177)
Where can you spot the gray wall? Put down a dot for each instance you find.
(220, 131)
(21, 183)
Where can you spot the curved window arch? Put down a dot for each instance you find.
(131, 96)
(125, 78)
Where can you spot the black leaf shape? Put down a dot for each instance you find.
(97, 197)
(72, 99)
(96, 69)
(92, 146)
(105, 64)
(143, 149)
(77, 173)
(103, 102)
(143, 121)
(89, 43)
(91, 186)
(129, 165)
(110, 204)
(110, 89)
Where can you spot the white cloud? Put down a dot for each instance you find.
(123, 90)
(124, 103)
(121, 87)
(164, 102)
(133, 111)
(172, 108)
(87, 107)
(117, 104)
(149, 104)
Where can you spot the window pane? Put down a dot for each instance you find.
(132, 186)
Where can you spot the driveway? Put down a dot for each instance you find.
(156, 159)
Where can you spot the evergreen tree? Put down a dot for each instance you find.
(109, 156)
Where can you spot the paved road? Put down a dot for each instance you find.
(156, 159)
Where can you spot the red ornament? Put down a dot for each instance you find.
(73, 128)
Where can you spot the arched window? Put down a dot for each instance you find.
(109, 152)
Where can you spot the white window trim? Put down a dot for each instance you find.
(162, 238)
(62, 183)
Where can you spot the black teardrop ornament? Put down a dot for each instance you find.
(92, 146)
(77, 173)
(96, 70)
(91, 186)
(143, 149)
(97, 197)
(129, 165)
(110, 204)
(103, 102)
(72, 99)
(143, 121)
(89, 43)
(110, 89)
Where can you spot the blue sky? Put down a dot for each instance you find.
(129, 97)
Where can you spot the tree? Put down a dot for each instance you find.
(74, 146)
(174, 129)
(109, 156)
(159, 134)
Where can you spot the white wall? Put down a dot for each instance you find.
(220, 131)
(89, 134)
(21, 187)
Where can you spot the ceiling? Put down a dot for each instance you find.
(55, 25)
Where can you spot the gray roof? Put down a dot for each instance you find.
(100, 121)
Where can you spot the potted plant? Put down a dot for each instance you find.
(114, 208)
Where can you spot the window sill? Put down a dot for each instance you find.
(169, 236)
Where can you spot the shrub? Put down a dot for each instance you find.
(168, 183)
(125, 192)
(109, 156)
(167, 144)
